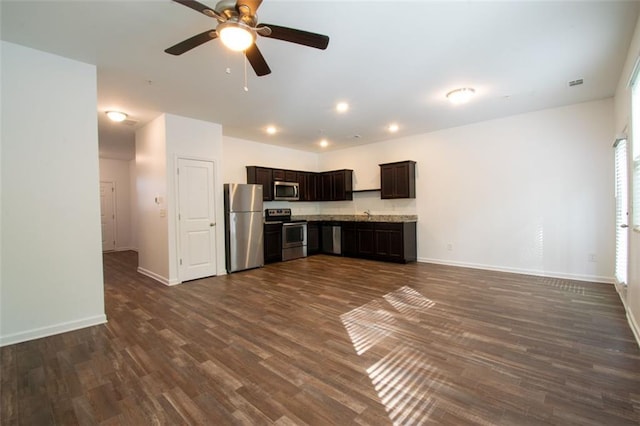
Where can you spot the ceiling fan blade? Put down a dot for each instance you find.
(305, 38)
(257, 61)
(190, 43)
(199, 7)
(248, 7)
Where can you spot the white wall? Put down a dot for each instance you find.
(530, 193)
(239, 153)
(1, 174)
(151, 185)
(623, 124)
(133, 204)
(117, 171)
(158, 146)
(51, 244)
(200, 140)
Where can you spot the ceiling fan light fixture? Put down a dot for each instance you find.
(342, 107)
(116, 116)
(235, 35)
(461, 96)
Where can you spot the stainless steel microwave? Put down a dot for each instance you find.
(286, 191)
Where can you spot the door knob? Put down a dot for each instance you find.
(212, 224)
(624, 225)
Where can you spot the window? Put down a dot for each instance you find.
(622, 208)
(635, 150)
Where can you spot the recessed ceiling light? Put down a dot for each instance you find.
(272, 130)
(116, 116)
(324, 143)
(461, 96)
(342, 107)
(393, 127)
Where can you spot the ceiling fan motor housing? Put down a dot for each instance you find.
(227, 8)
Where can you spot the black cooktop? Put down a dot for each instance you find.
(279, 215)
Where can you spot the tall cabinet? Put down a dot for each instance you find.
(262, 176)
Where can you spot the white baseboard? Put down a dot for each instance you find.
(634, 327)
(158, 278)
(153, 275)
(50, 330)
(550, 274)
(125, 249)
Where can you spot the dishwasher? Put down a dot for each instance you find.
(331, 239)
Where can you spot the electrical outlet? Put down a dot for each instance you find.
(592, 257)
(449, 247)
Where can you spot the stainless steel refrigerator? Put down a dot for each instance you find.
(243, 226)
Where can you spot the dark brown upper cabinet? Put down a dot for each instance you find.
(398, 180)
(336, 185)
(262, 176)
(280, 175)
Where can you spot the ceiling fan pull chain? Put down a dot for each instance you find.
(246, 87)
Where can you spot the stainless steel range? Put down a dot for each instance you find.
(294, 233)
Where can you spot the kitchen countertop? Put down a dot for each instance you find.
(358, 217)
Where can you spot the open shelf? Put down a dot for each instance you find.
(366, 190)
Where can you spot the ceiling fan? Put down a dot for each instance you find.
(237, 28)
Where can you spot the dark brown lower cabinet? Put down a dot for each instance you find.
(366, 240)
(349, 237)
(272, 242)
(313, 238)
(386, 241)
(389, 241)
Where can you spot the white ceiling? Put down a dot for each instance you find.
(393, 61)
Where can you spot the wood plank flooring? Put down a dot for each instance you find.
(327, 340)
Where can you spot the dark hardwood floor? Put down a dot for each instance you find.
(327, 340)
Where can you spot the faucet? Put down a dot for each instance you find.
(368, 213)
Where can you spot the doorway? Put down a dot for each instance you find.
(108, 215)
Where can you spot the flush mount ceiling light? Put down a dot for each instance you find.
(236, 35)
(461, 96)
(393, 127)
(342, 107)
(324, 143)
(116, 116)
(271, 130)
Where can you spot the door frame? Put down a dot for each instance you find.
(178, 224)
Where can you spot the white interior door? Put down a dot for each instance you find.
(108, 215)
(622, 211)
(196, 216)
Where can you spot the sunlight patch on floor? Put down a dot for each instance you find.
(404, 380)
